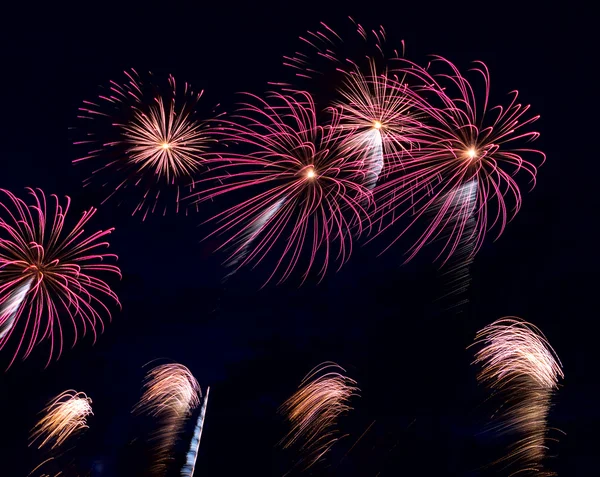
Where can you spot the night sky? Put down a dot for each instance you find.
(381, 320)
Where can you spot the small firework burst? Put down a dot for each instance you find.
(48, 272)
(378, 111)
(143, 136)
(313, 411)
(65, 416)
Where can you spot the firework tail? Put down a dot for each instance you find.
(192, 455)
(9, 308)
(456, 274)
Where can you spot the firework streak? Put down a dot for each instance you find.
(170, 394)
(519, 364)
(456, 276)
(64, 417)
(192, 455)
(314, 409)
(303, 189)
(47, 271)
(144, 137)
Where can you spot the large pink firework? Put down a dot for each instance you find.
(460, 180)
(48, 273)
(301, 192)
(170, 394)
(376, 107)
(313, 411)
(142, 136)
(519, 364)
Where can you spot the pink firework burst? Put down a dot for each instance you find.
(376, 107)
(301, 192)
(379, 118)
(48, 273)
(461, 177)
(145, 137)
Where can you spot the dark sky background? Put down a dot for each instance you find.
(378, 319)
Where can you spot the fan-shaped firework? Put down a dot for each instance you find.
(376, 107)
(466, 146)
(301, 191)
(146, 137)
(48, 273)
(518, 363)
(65, 416)
(313, 411)
(170, 393)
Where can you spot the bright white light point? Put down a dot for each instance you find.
(165, 145)
(471, 153)
(310, 174)
(377, 125)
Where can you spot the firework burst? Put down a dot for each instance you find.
(376, 107)
(518, 363)
(144, 137)
(313, 411)
(65, 416)
(170, 394)
(465, 145)
(48, 272)
(378, 112)
(304, 190)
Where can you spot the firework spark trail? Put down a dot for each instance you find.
(456, 276)
(144, 137)
(45, 471)
(306, 192)
(463, 141)
(519, 364)
(252, 232)
(55, 268)
(192, 455)
(170, 394)
(65, 416)
(314, 409)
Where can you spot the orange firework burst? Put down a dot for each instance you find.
(64, 416)
(313, 411)
(519, 364)
(151, 139)
(170, 394)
